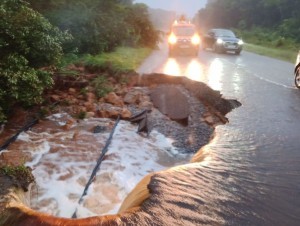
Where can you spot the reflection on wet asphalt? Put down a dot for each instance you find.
(258, 150)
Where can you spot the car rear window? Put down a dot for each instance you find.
(184, 30)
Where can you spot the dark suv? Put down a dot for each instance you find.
(183, 38)
(222, 40)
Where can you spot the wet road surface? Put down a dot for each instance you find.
(252, 167)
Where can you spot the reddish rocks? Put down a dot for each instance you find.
(69, 123)
(72, 91)
(54, 98)
(81, 101)
(110, 111)
(114, 99)
(125, 113)
(110, 106)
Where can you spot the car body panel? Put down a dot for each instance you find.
(222, 40)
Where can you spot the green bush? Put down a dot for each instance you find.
(268, 38)
(102, 86)
(27, 43)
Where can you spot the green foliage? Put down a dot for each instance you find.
(27, 42)
(140, 27)
(81, 115)
(84, 91)
(102, 86)
(280, 18)
(67, 59)
(268, 38)
(27, 33)
(282, 54)
(122, 60)
(2, 116)
(100, 25)
(14, 171)
(20, 175)
(21, 83)
(44, 112)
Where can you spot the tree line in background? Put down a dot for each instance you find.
(99, 25)
(35, 34)
(273, 18)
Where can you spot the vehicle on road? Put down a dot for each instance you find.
(183, 38)
(297, 71)
(222, 40)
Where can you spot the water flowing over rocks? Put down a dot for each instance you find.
(200, 110)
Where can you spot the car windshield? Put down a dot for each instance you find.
(183, 31)
(224, 33)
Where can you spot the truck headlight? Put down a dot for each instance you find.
(196, 40)
(172, 39)
(241, 42)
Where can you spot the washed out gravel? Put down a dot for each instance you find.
(189, 137)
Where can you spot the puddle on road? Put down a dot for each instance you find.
(63, 160)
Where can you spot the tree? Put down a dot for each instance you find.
(100, 25)
(27, 43)
(141, 27)
(280, 16)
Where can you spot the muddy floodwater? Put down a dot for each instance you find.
(63, 160)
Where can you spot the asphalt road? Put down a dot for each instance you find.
(256, 155)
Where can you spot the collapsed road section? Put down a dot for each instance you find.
(212, 100)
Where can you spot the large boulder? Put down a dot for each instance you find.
(171, 102)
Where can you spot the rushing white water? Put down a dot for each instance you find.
(63, 160)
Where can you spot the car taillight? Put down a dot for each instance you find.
(172, 39)
(196, 40)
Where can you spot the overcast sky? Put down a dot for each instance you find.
(188, 7)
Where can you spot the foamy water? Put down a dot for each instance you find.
(63, 161)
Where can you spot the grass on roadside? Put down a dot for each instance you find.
(281, 54)
(20, 174)
(270, 43)
(124, 59)
(114, 64)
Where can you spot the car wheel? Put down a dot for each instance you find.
(297, 78)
